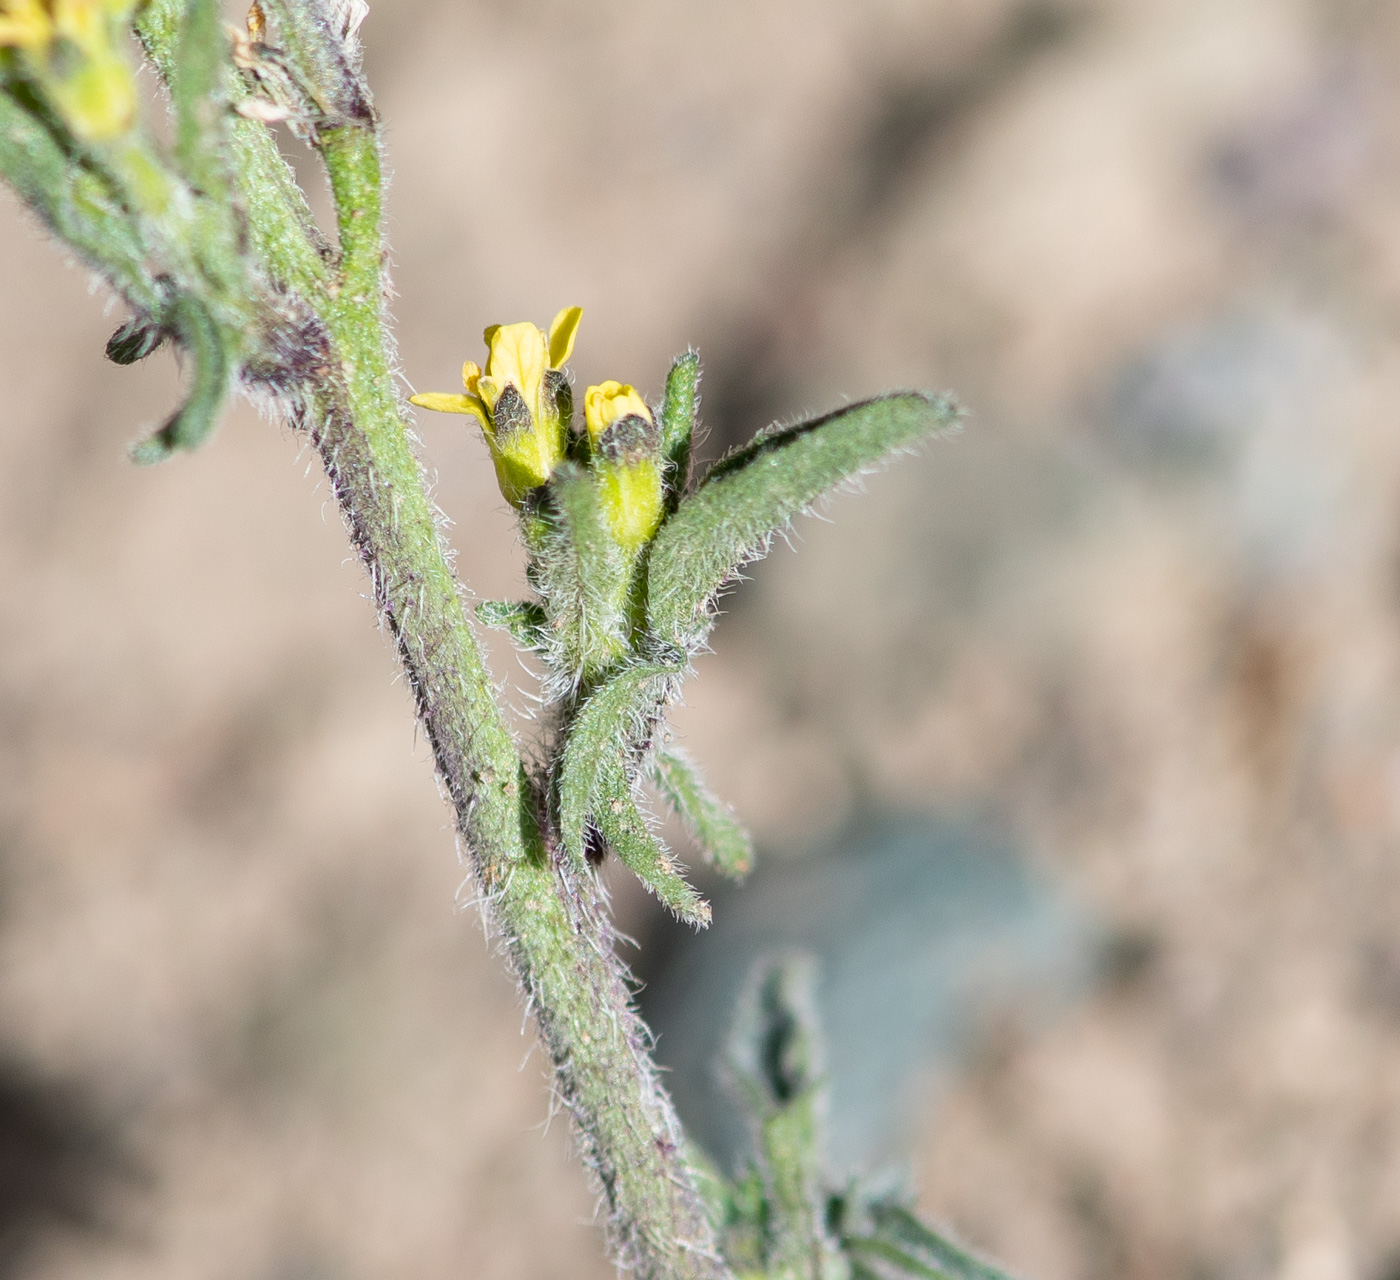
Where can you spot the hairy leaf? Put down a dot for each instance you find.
(753, 493)
(602, 734)
(524, 619)
(678, 424)
(881, 1259)
(623, 826)
(774, 1050)
(724, 843)
(190, 425)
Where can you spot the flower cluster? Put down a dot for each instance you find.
(524, 403)
(74, 50)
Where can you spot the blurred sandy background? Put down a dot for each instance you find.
(1122, 660)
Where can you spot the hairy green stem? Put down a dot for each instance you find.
(554, 925)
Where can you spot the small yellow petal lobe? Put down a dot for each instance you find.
(562, 331)
(448, 402)
(606, 403)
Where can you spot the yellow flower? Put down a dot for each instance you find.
(627, 461)
(75, 50)
(522, 399)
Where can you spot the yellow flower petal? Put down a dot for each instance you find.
(606, 403)
(489, 389)
(518, 355)
(471, 372)
(446, 402)
(562, 331)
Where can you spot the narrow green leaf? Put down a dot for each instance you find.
(897, 1226)
(200, 83)
(859, 1271)
(604, 732)
(753, 493)
(281, 229)
(870, 1249)
(725, 844)
(678, 424)
(625, 829)
(190, 425)
(524, 619)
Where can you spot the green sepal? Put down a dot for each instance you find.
(622, 825)
(631, 497)
(198, 333)
(609, 726)
(723, 842)
(559, 402)
(753, 493)
(678, 424)
(524, 619)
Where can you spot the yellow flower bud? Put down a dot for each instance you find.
(627, 461)
(521, 399)
(603, 405)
